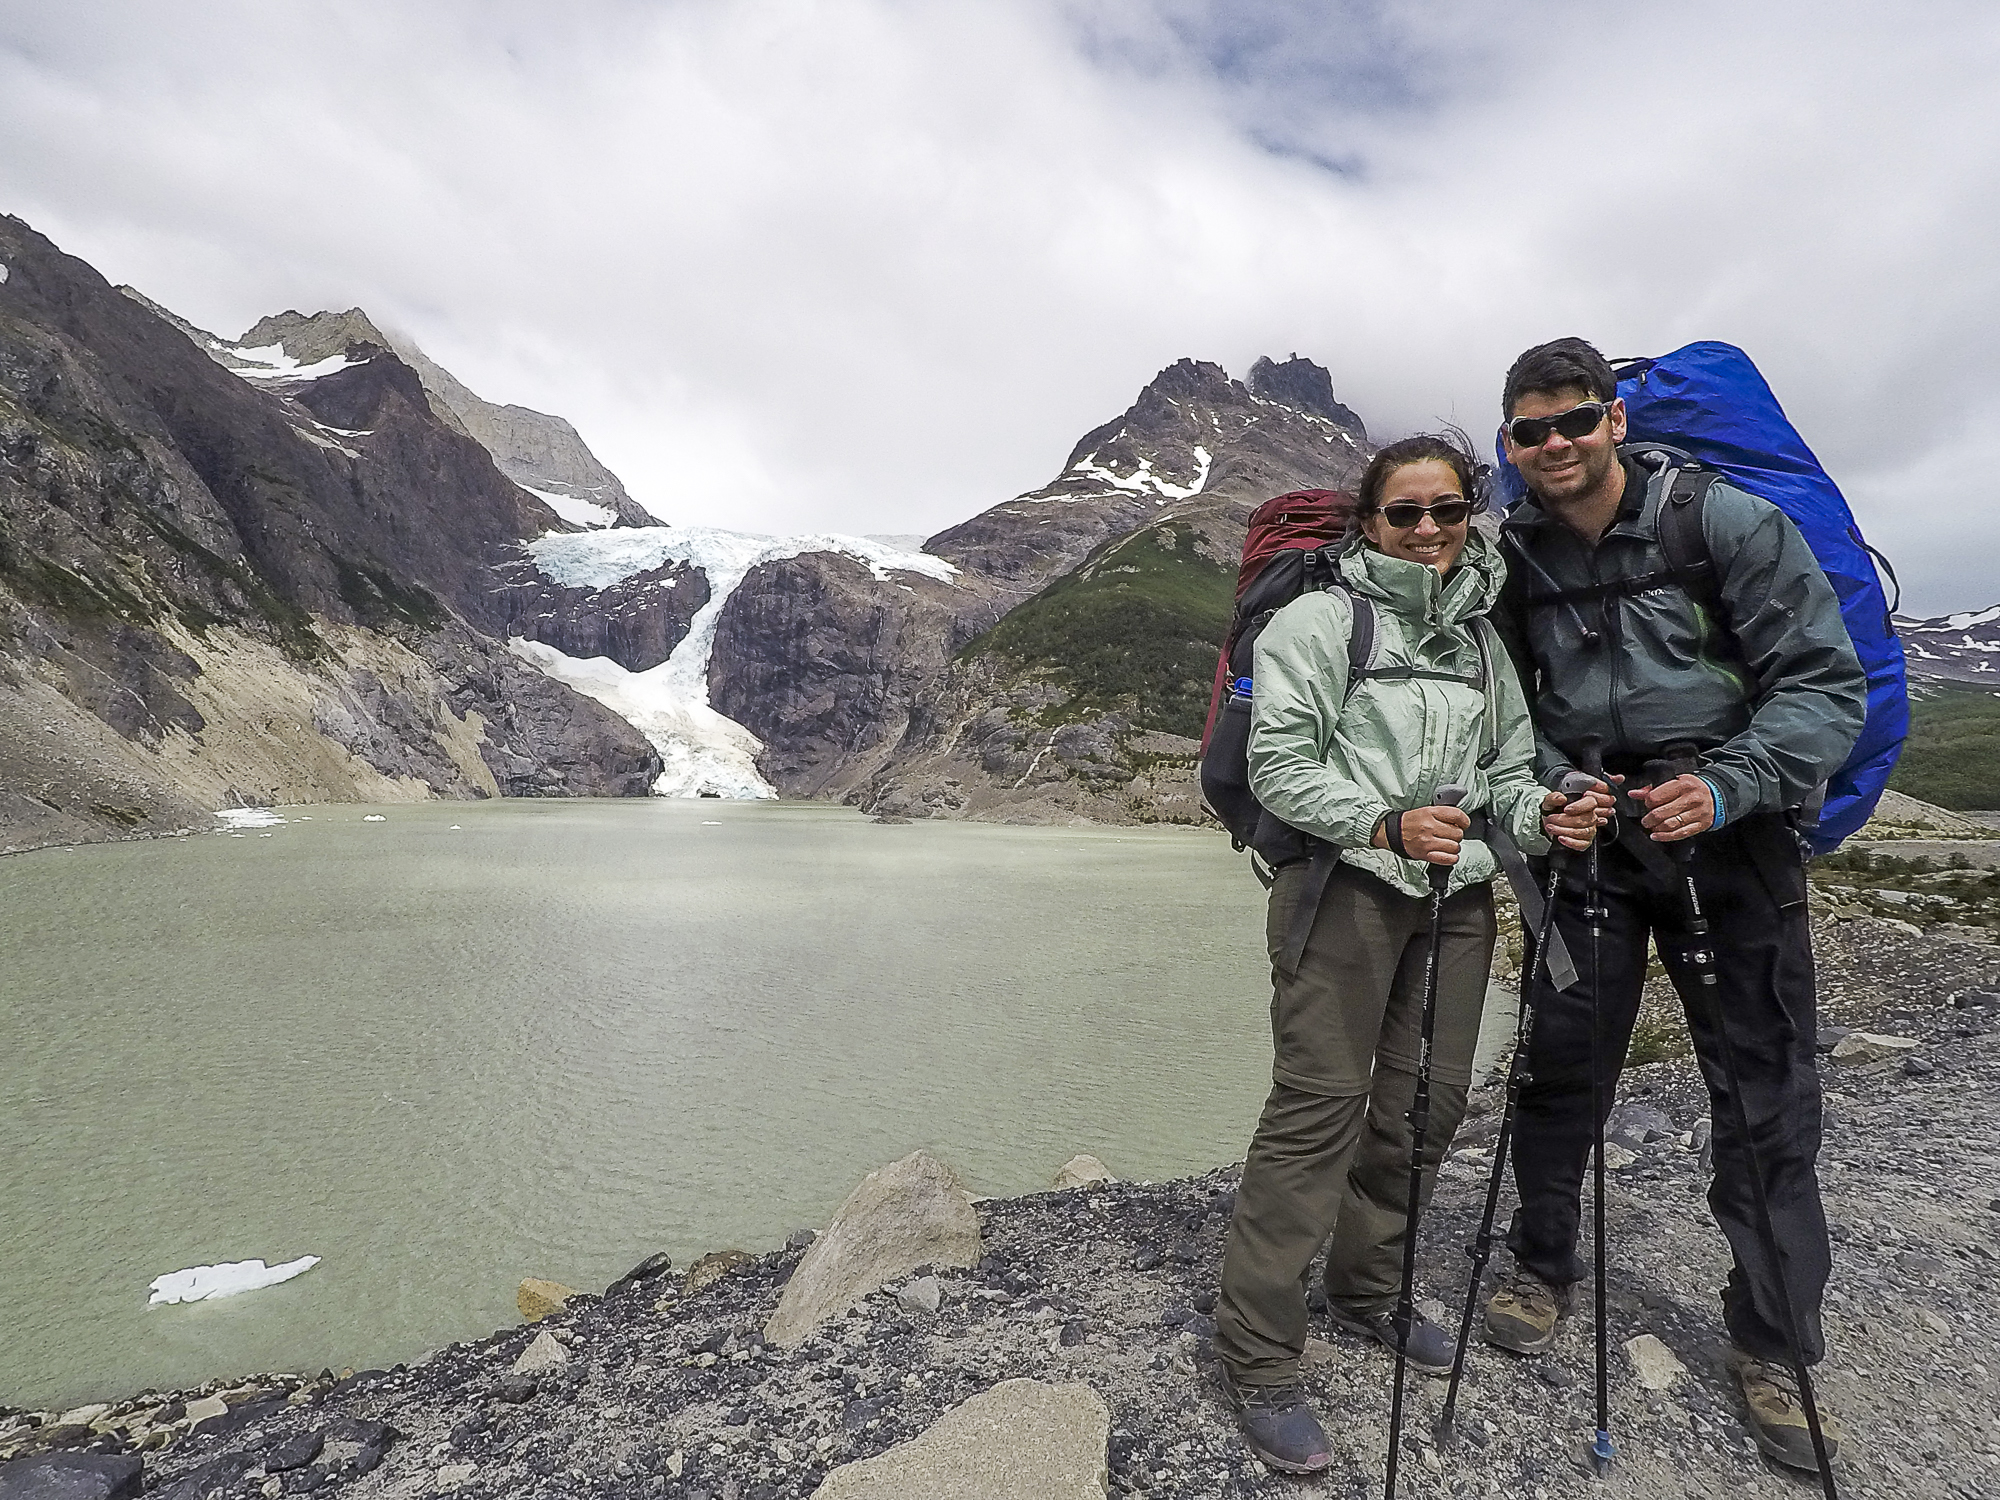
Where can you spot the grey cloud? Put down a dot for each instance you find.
(871, 265)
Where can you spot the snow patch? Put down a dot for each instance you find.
(249, 817)
(1142, 479)
(704, 751)
(278, 365)
(201, 1283)
(323, 442)
(574, 509)
(3, 275)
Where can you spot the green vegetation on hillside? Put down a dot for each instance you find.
(1134, 630)
(1953, 755)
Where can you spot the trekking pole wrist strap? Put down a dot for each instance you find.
(1392, 834)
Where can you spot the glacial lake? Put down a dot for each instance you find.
(461, 1043)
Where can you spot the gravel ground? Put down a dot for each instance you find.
(672, 1393)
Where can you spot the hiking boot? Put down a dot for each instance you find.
(1279, 1426)
(1777, 1416)
(1525, 1313)
(1431, 1348)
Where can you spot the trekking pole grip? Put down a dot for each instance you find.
(1448, 795)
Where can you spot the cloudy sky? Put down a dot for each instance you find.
(873, 265)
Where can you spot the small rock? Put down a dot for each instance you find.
(1147, 1258)
(1072, 1334)
(1932, 1321)
(1081, 1170)
(72, 1476)
(656, 1264)
(1976, 999)
(545, 1353)
(1701, 1140)
(1318, 1352)
(1553, 1372)
(1020, 1438)
(294, 1452)
(923, 1295)
(451, 1476)
(713, 1266)
(538, 1298)
(1616, 1157)
(1637, 1123)
(1654, 1363)
(800, 1239)
(84, 1415)
(1829, 1037)
(208, 1406)
(1866, 1047)
(514, 1389)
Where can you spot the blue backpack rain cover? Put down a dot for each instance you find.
(1709, 401)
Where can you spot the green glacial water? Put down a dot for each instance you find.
(558, 1036)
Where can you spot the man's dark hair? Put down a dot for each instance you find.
(1561, 365)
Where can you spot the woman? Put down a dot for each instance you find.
(1356, 765)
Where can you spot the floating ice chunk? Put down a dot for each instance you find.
(710, 823)
(249, 817)
(200, 1283)
(373, 818)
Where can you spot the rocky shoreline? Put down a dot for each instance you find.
(1090, 1304)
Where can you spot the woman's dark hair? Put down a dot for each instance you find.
(1561, 365)
(1450, 447)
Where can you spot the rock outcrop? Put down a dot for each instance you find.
(911, 1213)
(260, 590)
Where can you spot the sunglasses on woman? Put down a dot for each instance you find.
(1403, 514)
(1577, 422)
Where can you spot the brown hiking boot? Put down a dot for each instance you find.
(1777, 1416)
(1525, 1313)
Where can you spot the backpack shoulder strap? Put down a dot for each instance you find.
(1484, 637)
(1360, 640)
(1682, 538)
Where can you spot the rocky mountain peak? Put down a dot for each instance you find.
(310, 338)
(1303, 386)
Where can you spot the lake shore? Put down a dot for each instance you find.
(668, 1389)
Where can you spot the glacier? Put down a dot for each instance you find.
(705, 753)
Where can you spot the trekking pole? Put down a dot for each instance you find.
(1573, 786)
(1702, 957)
(1420, 1116)
(1601, 1450)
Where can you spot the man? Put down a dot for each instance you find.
(1759, 712)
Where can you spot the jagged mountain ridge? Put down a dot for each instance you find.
(1960, 648)
(216, 590)
(945, 727)
(542, 453)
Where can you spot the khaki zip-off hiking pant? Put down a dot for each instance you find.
(1331, 1155)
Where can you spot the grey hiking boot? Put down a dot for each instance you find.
(1525, 1313)
(1279, 1425)
(1431, 1348)
(1777, 1416)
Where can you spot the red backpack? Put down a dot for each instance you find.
(1290, 548)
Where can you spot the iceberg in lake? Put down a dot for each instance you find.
(199, 1283)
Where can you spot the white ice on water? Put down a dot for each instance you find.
(203, 1283)
(249, 817)
(574, 509)
(704, 752)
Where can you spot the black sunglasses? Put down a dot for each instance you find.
(1403, 514)
(1577, 422)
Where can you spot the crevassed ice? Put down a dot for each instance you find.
(704, 751)
(201, 1283)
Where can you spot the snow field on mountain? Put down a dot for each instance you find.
(281, 366)
(704, 752)
(573, 508)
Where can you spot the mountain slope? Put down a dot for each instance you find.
(262, 590)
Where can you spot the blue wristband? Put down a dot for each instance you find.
(1716, 792)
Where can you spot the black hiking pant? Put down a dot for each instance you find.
(1752, 884)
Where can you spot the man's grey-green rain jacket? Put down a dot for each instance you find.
(1331, 763)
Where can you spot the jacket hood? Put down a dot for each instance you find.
(1418, 591)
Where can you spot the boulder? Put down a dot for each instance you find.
(1653, 1362)
(206, 1409)
(923, 1295)
(1080, 1171)
(1020, 1440)
(543, 1354)
(910, 1213)
(538, 1298)
(1634, 1124)
(713, 1266)
(72, 1476)
(1866, 1047)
